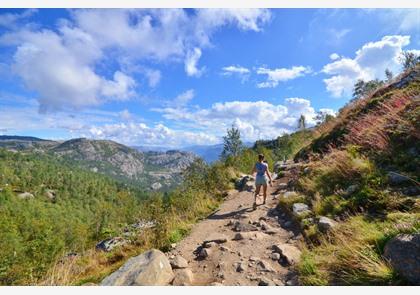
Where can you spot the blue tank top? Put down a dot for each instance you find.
(261, 168)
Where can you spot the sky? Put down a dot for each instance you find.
(180, 77)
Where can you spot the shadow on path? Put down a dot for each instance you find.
(217, 216)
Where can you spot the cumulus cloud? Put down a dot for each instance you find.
(255, 119)
(140, 133)
(274, 76)
(370, 62)
(60, 63)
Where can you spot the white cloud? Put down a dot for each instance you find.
(141, 134)
(191, 61)
(255, 119)
(11, 20)
(274, 76)
(369, 63)
(60, 64)
(184, 98)
(241, 72)
(334, 56)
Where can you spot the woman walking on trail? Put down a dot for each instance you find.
(261, 168)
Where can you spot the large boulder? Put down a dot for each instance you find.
(403, 252)
(151, 268)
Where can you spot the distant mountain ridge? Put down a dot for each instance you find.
(150, 170)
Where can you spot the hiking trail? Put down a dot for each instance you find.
(237, 245)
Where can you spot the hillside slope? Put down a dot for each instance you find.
(149, 170)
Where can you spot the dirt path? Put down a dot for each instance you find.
(248, 261)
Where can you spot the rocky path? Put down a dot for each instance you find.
(240, 246)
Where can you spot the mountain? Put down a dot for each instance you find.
(209, 153)
(150, 170)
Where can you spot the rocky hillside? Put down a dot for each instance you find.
(151, 170)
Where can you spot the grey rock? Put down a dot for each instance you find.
(209, 244)
(306, 170)
(108, 245)
(290, 194)
(50, 194)
(265, 266)
(244, 227)
(412, 191)
(266, 282)
(282, 185)
(242, 236)
(156, 186)
(25, 196)
(290, 253)
(179, 262)
(217, 238)
(351, 190)
(183, 277)
(204, 253)
(275, 256)
(403, 252)
(151, 268)
(300, 209)
(254, 259)
(325, 224)
(397, 179)
(240, 266)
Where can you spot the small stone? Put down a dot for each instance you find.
(224, 249)
(217, 238)
(242, 236)
(287, 223)
(290, 194)
(240, 266)
(290, 253)
(179, 262)
(204, 253)
(265, 282)
(265, 266)
(173, 245)
(183, 277)
(209, 244)
(254, 259)
(275, 256)
(216, 284)
(240, 253)
(25, 195)
(325, 224)
(300, 209)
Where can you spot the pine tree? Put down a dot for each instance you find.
(232, 143)
(302, 122)
(409, 60)
(388, 75)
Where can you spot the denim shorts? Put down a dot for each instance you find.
(261, 180)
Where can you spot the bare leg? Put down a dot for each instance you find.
(257, 191)
(265, 192)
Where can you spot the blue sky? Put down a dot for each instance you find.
(178, 77)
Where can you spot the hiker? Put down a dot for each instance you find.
(261, 168)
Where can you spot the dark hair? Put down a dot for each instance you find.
(260, 157)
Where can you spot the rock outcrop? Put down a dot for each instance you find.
(403, 252)
(151, 268)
